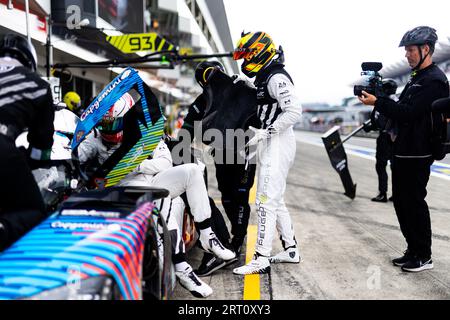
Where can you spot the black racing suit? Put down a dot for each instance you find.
(412, 154)
(234, 180)
(383, 155)
(25, 103)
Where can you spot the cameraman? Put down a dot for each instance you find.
(412, 154)
(25, 102)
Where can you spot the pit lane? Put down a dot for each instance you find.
(346, 246)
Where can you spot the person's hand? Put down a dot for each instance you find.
(237, 78)
(259, 135)
(367, 127)
(367, 99)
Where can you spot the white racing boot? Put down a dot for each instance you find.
(189, 280)
(210, 243)
(258, 265)
(290, 255)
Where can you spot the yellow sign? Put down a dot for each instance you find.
(131, 43)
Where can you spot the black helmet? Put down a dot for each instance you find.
(205, 69)
(419, 36)
(19, 48)
(389, 86)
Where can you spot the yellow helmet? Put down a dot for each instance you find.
(73, 101)
(257, 49)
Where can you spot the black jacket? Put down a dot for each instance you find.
(26, 103)
(223, 106)
(412, 113)
(195, 114)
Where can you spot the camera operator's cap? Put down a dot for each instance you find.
(257, 49)
(419, 36)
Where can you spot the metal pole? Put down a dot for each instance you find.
(27, 13)
(174, 58)
(350, 135)
(49, 46)
(356, 131)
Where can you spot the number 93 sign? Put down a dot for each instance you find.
(137, 42)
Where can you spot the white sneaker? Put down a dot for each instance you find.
(290, 255)
(189, 280)
(259, 265)
(211, 244)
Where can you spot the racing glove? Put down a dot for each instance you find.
(236, 78)
(260, 135)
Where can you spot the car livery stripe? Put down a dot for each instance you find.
(31, 268)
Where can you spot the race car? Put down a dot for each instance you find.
(109, 244)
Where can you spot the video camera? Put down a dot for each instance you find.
(371, 81)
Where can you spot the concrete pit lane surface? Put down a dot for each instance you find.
(346, 246)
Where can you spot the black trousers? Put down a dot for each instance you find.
(383, 155)
(21, 204)
(218, 224)
(409, 181)
(234, 184)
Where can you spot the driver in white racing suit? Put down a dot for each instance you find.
(159, 172)
(278, 110)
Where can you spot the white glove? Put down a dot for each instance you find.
(260, 135)
(237, 78)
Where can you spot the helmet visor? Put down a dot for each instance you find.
(75, 105)
(111, 125)
(243, 53)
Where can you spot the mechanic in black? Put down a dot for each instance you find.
(383, 154)
(234, 180)
(25, 103)
(413, 153)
